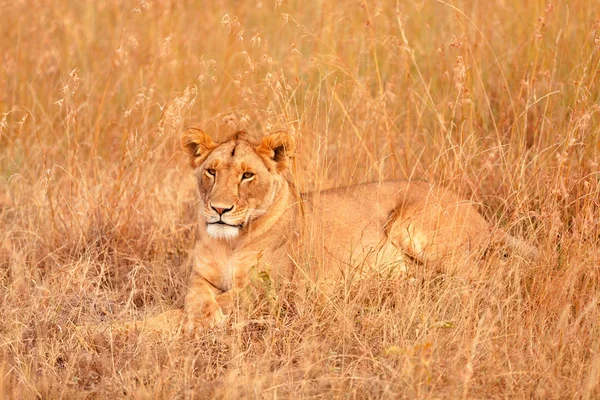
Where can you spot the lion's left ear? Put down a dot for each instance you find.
(197, 144)
(278, 148)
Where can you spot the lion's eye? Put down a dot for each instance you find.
(210, 172)
(248, 175)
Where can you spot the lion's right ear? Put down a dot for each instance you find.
(197, 144)
(277, 149)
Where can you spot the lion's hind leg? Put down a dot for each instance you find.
(439, 230)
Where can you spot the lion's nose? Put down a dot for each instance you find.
(220, 209)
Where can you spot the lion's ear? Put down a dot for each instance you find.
(278, 148)
(197, 144)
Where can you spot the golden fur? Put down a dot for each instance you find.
(250, 211)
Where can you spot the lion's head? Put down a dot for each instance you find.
(238, 178)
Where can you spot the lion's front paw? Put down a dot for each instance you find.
(210, 317)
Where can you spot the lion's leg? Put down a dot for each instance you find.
(226, 300)
(415, 237)
(201, 304)
(447, 234)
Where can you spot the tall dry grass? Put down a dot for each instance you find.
(498, 101)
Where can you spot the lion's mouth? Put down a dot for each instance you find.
(222, 230)
(225, 223)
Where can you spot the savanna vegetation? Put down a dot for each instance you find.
(498, 101)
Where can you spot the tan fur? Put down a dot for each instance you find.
(266, 219)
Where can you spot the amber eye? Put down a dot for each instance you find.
(248, 175)
(210, 172)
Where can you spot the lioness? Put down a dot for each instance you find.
(251, 210)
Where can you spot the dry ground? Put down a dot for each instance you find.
(496, 100)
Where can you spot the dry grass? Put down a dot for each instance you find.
(497, 101)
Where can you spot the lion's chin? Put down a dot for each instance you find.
(222, 231)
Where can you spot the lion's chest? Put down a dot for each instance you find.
(225, 269)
